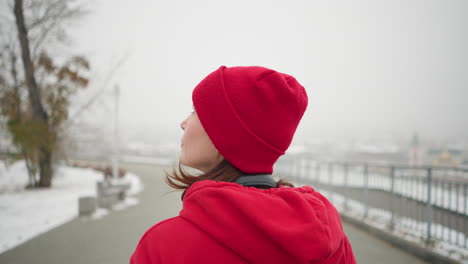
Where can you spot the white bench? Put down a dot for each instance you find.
(108, 194)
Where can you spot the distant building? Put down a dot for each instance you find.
(385, 153)
(415, 153)
(445, 157)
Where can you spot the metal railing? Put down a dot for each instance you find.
(427, 203)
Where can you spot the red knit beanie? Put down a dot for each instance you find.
(250, 114)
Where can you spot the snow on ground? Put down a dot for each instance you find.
(25, 214)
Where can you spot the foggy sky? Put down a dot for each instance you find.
(371, 68)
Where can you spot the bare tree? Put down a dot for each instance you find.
(48, 85)
(39, 115)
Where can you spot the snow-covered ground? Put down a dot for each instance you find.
(25, 214)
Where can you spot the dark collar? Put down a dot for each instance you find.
(257, 180)
(261, 181)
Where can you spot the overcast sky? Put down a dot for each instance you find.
(382, 68)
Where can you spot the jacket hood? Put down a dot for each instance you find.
(278, 225)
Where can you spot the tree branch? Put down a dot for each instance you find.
(99, 93)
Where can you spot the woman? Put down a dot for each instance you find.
(244, 119)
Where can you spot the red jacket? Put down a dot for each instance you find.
(224, 222)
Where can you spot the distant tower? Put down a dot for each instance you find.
(415, 151)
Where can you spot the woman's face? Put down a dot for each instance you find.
(197, 150)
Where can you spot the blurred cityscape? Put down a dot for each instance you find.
(414, 151)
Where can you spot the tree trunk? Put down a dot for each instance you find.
(45, 168)
(34, 93)
(39, 115)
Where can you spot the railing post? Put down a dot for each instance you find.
(299, 168)
(346, 187)
(366, 190)
(293, 167)
(303, 167)
(289, 166)
(392, 194)
(465, 202)
(330, 180)
(457, 187)
(317, 171)
(307, 168)
(429, 207)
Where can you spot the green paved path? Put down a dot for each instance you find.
(113, 238)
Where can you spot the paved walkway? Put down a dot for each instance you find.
(113, 238)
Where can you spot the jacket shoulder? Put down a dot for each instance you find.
(147, 250)
(176, 240)
(161, 228)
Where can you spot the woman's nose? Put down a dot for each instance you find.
(182, 125)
